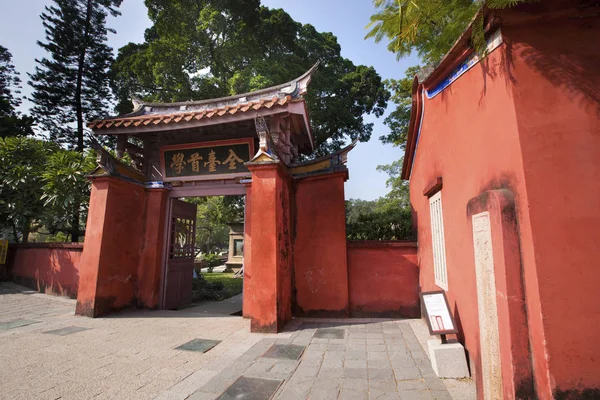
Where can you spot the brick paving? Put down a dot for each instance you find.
(48, 353)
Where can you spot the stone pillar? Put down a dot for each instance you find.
(493, 220)
(268, 281)
(108, 267)
(149, 269)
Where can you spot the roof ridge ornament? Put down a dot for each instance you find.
(267, 151)
(297, 86)
(138, 103)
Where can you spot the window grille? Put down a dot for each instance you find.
(438, 242)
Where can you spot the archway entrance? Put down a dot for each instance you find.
(204, 250)
(137, 251)
(180, 255)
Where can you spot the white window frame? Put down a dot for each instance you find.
(438, 242)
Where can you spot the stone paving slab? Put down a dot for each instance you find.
(135, 355)
(251, 389)
(200, 345)
(66, 331)
(285, 351)
(329, 333)
(16, 323)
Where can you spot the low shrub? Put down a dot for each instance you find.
(211, 260)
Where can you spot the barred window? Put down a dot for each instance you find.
(438, 243)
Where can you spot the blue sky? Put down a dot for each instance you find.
(21, 27)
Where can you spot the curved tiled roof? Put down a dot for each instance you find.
(146, 113)
(187, 116)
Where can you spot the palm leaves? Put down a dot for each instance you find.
(430, 26)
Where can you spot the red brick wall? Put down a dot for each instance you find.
(383, 279)
(51, 268)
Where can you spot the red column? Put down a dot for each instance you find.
(247, 305)
(152, 244)
(108, 268)
(267, 281)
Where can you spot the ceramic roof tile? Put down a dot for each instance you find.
(176, 117)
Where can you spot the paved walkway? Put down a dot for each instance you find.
(48, 353)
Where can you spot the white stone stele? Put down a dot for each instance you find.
(448, 359)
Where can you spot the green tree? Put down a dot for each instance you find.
(387, 218)
(72, 85)
(429, 27)
(213, 216)
(398, 119)
(357, 207)
(66, 190)
(12, 123)
(41, 185)
(389, 223)
(198, 49)
(398, 187)
(22, 163)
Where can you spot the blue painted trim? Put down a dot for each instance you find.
(492, 43)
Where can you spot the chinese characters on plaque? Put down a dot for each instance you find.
(204, 160)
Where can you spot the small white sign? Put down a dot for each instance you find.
(438, 314)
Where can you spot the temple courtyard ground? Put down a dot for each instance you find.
(48, 353)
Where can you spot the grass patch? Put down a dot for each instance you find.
(222, 286)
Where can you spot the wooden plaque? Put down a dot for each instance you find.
(206, 161)
(437, 313)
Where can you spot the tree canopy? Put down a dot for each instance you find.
(12, 123)
(387, 218)
(212, 218)
(41, 183)
(429, 28)
(72, 85)
(199, 49)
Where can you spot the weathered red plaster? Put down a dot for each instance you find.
(558, 116)
(149, 269)
(459, 144)
(320, 266)
(108, 269)
(525, 120)
(247, 304)
(285, 252)
(515, 356)
(383, 279)
(267, 283)
(51, 268)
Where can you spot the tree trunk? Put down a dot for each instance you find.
(80, 68)
(15, 233)
(79, 110)
(75, 232)
(26, 229)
